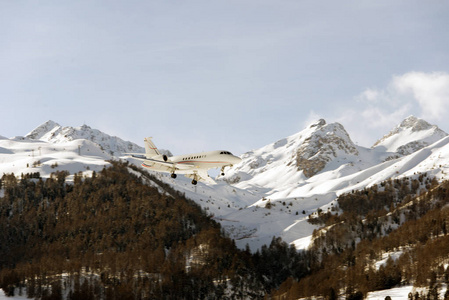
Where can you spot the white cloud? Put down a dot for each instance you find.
(377, 111)
(429, 90)
(369, 124)
(370, 95)
(378, 117)
(427, 94)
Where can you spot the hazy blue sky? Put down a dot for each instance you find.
(203, 75)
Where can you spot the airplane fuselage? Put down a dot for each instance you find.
(203, 160)
(193, 165)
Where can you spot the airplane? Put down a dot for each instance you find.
(193, 166)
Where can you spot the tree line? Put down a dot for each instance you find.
(407, 217)
(110, 236)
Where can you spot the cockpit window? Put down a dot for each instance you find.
(226, 152)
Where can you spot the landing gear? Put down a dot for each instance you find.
(223, 168)
(173, 175)
(222, 171)
(195, 178)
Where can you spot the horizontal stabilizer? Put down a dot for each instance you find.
(139, 156)
(135, 154)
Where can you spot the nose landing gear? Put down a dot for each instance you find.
(222, 171)
(223, 168)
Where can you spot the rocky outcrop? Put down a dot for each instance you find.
(322, 146)
(409, 136)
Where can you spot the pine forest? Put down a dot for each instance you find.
(115, 236)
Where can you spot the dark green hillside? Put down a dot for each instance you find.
(113, 237)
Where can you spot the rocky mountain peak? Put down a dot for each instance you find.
(42, 129)
(414, 123)
(309, 151)
(411, 135)
(52, 132)
(325, 143)
(319, 123)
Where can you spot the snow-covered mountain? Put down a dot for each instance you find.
(21, 156)
(52, 132)
(410, 136)
(273, 190)
(292, 161)
(323, 147)
(307, 171)
(51, 147)
(308, 151)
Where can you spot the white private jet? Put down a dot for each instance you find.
(193, 166)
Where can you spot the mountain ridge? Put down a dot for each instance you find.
(269, 174)
(269, 193)
(411, 135)
(321, 146)
(52, 132)
(318, 147)
(266, 172)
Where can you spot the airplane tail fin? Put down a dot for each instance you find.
(150, 148)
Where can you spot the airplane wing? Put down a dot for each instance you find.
(201, 175)
(139, 156)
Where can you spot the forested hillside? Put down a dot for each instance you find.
(380, 237)
(110, 236)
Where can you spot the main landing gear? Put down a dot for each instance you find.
(195, 178)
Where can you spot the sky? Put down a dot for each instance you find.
(235, 75)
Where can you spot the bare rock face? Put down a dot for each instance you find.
(327, 142)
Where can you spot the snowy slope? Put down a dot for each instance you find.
(410, 136)
(271, 173)
(297, 160)
(54, 133)
(22, 155)
(51, 147)
(272, 191)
